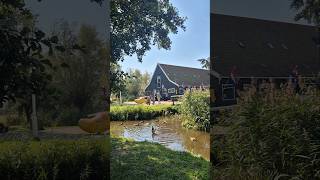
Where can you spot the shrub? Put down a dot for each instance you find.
(195, 110)
(141, 112)
(69, 116)
(271, 137)
(55, 159)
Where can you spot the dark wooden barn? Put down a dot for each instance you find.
(247, 49)
(172, 80)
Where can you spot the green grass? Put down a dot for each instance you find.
(3, 119)
(145, 160)
(141, 112)
(55, 159)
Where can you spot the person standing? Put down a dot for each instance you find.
(158, 97)
(153, 97)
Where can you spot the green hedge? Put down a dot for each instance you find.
(55, 159)
(141, 112)
(271, 138)
(195, 110)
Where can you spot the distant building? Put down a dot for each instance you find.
(246, 50)
(171, 80)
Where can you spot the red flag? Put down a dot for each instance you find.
(295, 71)
(233, 73)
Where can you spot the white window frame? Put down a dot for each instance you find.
(158, 81)
(164, 90)
(230, 86)
(171, 90)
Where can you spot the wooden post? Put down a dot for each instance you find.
(120, 98)
(34, 117)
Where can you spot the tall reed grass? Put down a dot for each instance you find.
(273, 134)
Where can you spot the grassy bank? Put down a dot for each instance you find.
(141, 112)
(144, 160)
(54, 159)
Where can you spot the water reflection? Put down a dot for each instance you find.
(168, 132)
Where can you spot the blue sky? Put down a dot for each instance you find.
(187, 46)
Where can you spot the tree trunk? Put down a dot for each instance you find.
(28, 112)
(28, 115)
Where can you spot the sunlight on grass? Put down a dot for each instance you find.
(144, 160)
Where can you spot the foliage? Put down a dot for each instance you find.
(134, 85)
(139, 24)
(78, 88)
(195, 110)
(308, 10)
(135, 25)
(22, 64)
(272, 136)
(117, 78)
(55, 159)
(144, 160)
(141, 112)
(205, 63)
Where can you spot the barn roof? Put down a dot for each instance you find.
(261, 48)
(186, 76)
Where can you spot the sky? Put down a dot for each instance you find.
(187, 46)
(80, 11)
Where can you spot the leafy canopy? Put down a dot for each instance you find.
(136, 25)
(307, 9)
(22, 64)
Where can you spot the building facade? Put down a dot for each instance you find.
(248, 50)
(170, 80)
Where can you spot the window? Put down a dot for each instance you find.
(284, 46)
(270, 45)
(171, 90)
(241, 44)
(181, 90)
(164, 90)
(158, 81)
(228, 92)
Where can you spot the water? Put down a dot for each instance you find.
(169, 133)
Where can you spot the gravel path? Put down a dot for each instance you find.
(66, 132)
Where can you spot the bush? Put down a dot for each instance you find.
(195, 110)
(69, 116)
(55, 159)
(141, 112)
(271, 137)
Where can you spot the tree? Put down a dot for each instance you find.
(138, 24)
(22, 64)
(80, 84)
(205, 63)
(135, 84)
(309, 10)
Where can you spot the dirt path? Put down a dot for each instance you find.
(64, 132)
(74, 130)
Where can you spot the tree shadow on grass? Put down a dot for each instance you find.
(144, 160)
